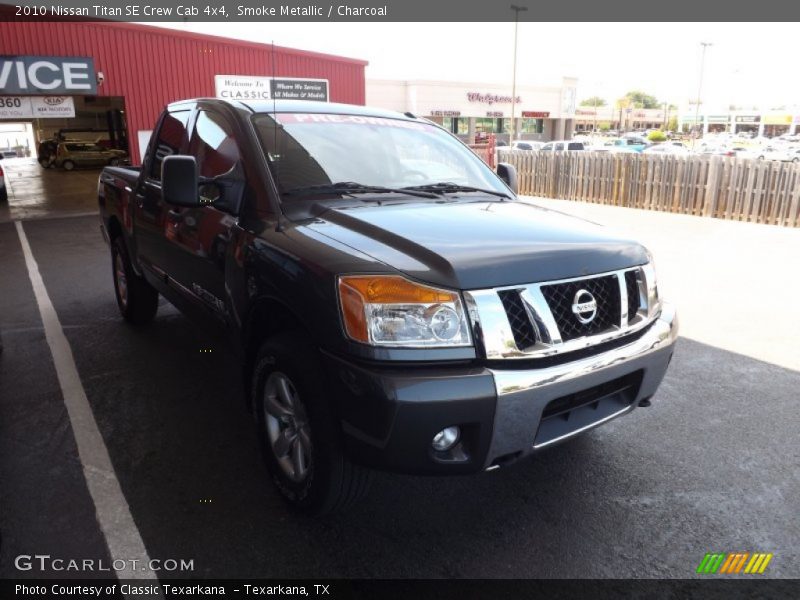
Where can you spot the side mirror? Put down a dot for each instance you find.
(179, 181)
(508, 173)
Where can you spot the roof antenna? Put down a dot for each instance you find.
(279, 226)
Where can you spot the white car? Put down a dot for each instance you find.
(526, 145)
(561, 145)
(774, 153)
(3, 188)
(671, 149)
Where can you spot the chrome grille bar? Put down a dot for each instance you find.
(495, 336)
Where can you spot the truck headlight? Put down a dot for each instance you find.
(389, 310)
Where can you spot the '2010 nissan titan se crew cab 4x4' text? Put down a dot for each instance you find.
(395, 305)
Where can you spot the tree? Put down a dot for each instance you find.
(639, 99)
(593, 101)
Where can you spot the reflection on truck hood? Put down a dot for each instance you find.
(471, 245)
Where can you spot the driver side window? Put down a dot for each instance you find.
(213, 145)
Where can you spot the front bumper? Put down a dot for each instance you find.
(390, 415)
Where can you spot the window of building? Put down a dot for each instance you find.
(532, 126)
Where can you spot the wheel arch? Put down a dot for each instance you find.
(267, 317)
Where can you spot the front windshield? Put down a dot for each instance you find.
(309, 149)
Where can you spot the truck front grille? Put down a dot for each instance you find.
(632, 287)
(542, 320)
(561, 297)
(521, 326)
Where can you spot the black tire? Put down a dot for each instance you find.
(4, 194)
(68, 165)
(331, 483)
(137, 300)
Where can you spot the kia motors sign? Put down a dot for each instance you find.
(38, 75)
(48, 107)
(36, 107)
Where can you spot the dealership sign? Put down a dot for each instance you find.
(36, 75)
(36, 107)
(244, 87)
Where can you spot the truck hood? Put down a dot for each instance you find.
(478, 244)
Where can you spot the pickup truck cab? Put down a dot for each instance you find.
(394, 304)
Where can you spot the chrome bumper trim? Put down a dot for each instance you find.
(662, 333)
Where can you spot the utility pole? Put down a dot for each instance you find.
(517, 10)
(700, 89)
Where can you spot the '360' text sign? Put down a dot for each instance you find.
(39, 75)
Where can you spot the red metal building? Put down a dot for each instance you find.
(152, 66)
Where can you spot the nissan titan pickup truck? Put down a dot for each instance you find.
(394, 304)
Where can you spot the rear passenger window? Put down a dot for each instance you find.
(575, 146)
(172, 139)
(559, 147)
(213, 145)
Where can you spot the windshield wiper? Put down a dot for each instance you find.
(351, 187)
(446, 187)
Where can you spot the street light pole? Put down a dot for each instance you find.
(517, 10)
(700, 87)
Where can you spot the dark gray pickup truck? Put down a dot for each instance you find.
(395, 306)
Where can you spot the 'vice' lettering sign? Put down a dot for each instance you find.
(39, 75)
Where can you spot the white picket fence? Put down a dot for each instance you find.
(716, 186)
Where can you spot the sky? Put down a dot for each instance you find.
(747, 64)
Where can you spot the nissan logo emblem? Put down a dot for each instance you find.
(584, 306)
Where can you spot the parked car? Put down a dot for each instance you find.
(635, 143)
(80, 154)
(9, 154)
(3, 188)
(526, 145)
(562, 145)
(783, 154)
(386, 318)
(665, 148)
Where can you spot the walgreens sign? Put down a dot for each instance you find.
(490, 98)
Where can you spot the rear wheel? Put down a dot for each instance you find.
(68, 165)
(4, 194)
(137, 300)
(299, 433)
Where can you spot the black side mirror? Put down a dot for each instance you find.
(508, 173)
(179, 179)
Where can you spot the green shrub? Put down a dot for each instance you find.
(657, 136)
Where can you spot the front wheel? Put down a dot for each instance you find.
(4, 194)
(137, 300)
(299, 434)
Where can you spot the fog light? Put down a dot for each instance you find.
(446, 438)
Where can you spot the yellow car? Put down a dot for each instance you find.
(84, 154)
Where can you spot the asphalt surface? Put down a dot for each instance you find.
(711, 466)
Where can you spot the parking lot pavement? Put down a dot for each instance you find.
(733, 282)
(711, 466)
(36, 192)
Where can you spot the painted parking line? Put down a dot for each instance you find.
(113, 514)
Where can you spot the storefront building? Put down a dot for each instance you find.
(474, 110)
(110, 81)
(605, 118)
(753, 123)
